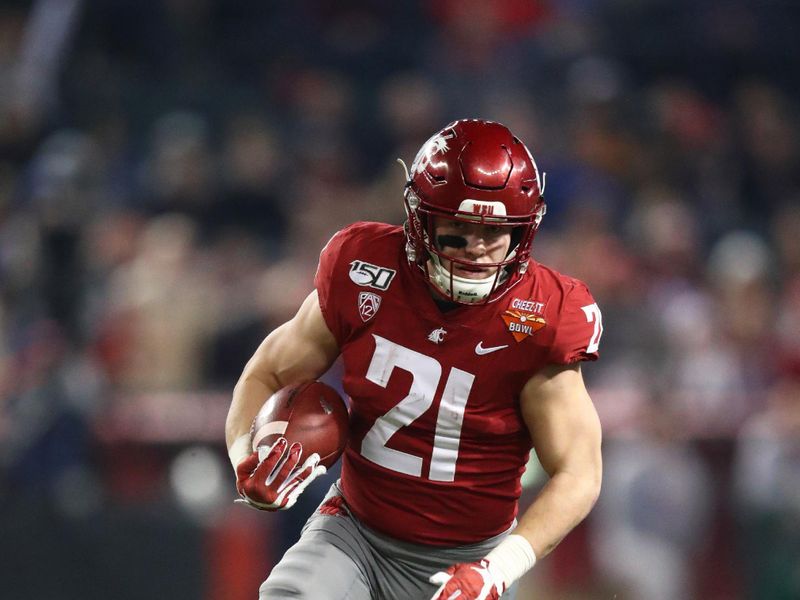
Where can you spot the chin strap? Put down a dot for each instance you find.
(405, 168)
(463, 289)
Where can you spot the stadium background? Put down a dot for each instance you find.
(169, 171)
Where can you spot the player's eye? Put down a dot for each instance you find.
(493, 231)
(454, 227)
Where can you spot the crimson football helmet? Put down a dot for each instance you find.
(478, 172)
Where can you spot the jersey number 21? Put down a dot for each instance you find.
(426, 373)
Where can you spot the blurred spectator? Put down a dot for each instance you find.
(50, 395)
(252, 167)
(164, 304)
(652, 518)
(179, 174)
(767, 124)
(767, 488)
(785, 225)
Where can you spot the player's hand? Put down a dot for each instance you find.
(467, 581)
(273, 481)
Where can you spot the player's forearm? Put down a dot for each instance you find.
(258, 381)
(562, 504)
(249, 395)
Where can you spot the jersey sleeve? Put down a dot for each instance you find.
(580, 326)
(325, 282)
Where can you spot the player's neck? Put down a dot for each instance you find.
(444, 305)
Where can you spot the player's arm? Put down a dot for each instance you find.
(566, 435)
(302, 348)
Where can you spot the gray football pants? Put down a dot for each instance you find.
(338, 558)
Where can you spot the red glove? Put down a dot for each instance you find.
(467, 581)
(274, 482)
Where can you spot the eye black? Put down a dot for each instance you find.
(453, 241)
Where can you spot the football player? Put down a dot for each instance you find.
(461, 354)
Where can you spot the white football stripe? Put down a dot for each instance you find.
(278, 427)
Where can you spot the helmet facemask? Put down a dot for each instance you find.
(429, 254)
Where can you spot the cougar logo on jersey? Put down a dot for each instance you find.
(522, 319)
(368, 305)
(437, 335)
(369, 275)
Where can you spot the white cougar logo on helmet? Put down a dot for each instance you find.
(436, 145)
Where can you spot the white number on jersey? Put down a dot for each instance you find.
(426, 372)
(593, 315)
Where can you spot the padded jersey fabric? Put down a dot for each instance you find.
(437, 443)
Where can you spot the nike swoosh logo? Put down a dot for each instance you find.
(479, 349)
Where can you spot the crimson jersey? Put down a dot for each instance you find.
(437, 442)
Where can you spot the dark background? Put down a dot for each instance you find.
(170, 170)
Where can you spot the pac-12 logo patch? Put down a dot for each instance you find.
(368, 305)
(523, 318)
(366, 274)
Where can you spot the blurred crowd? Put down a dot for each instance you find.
(169, 174)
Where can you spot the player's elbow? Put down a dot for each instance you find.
(587, 482)
(593, 487)
(257, 374)
(585, 491)
(592, 472)
(592, 481)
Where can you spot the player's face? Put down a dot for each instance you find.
(475, 242)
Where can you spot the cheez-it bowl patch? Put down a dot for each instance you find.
(523, 318)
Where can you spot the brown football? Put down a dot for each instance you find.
(312, 413)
